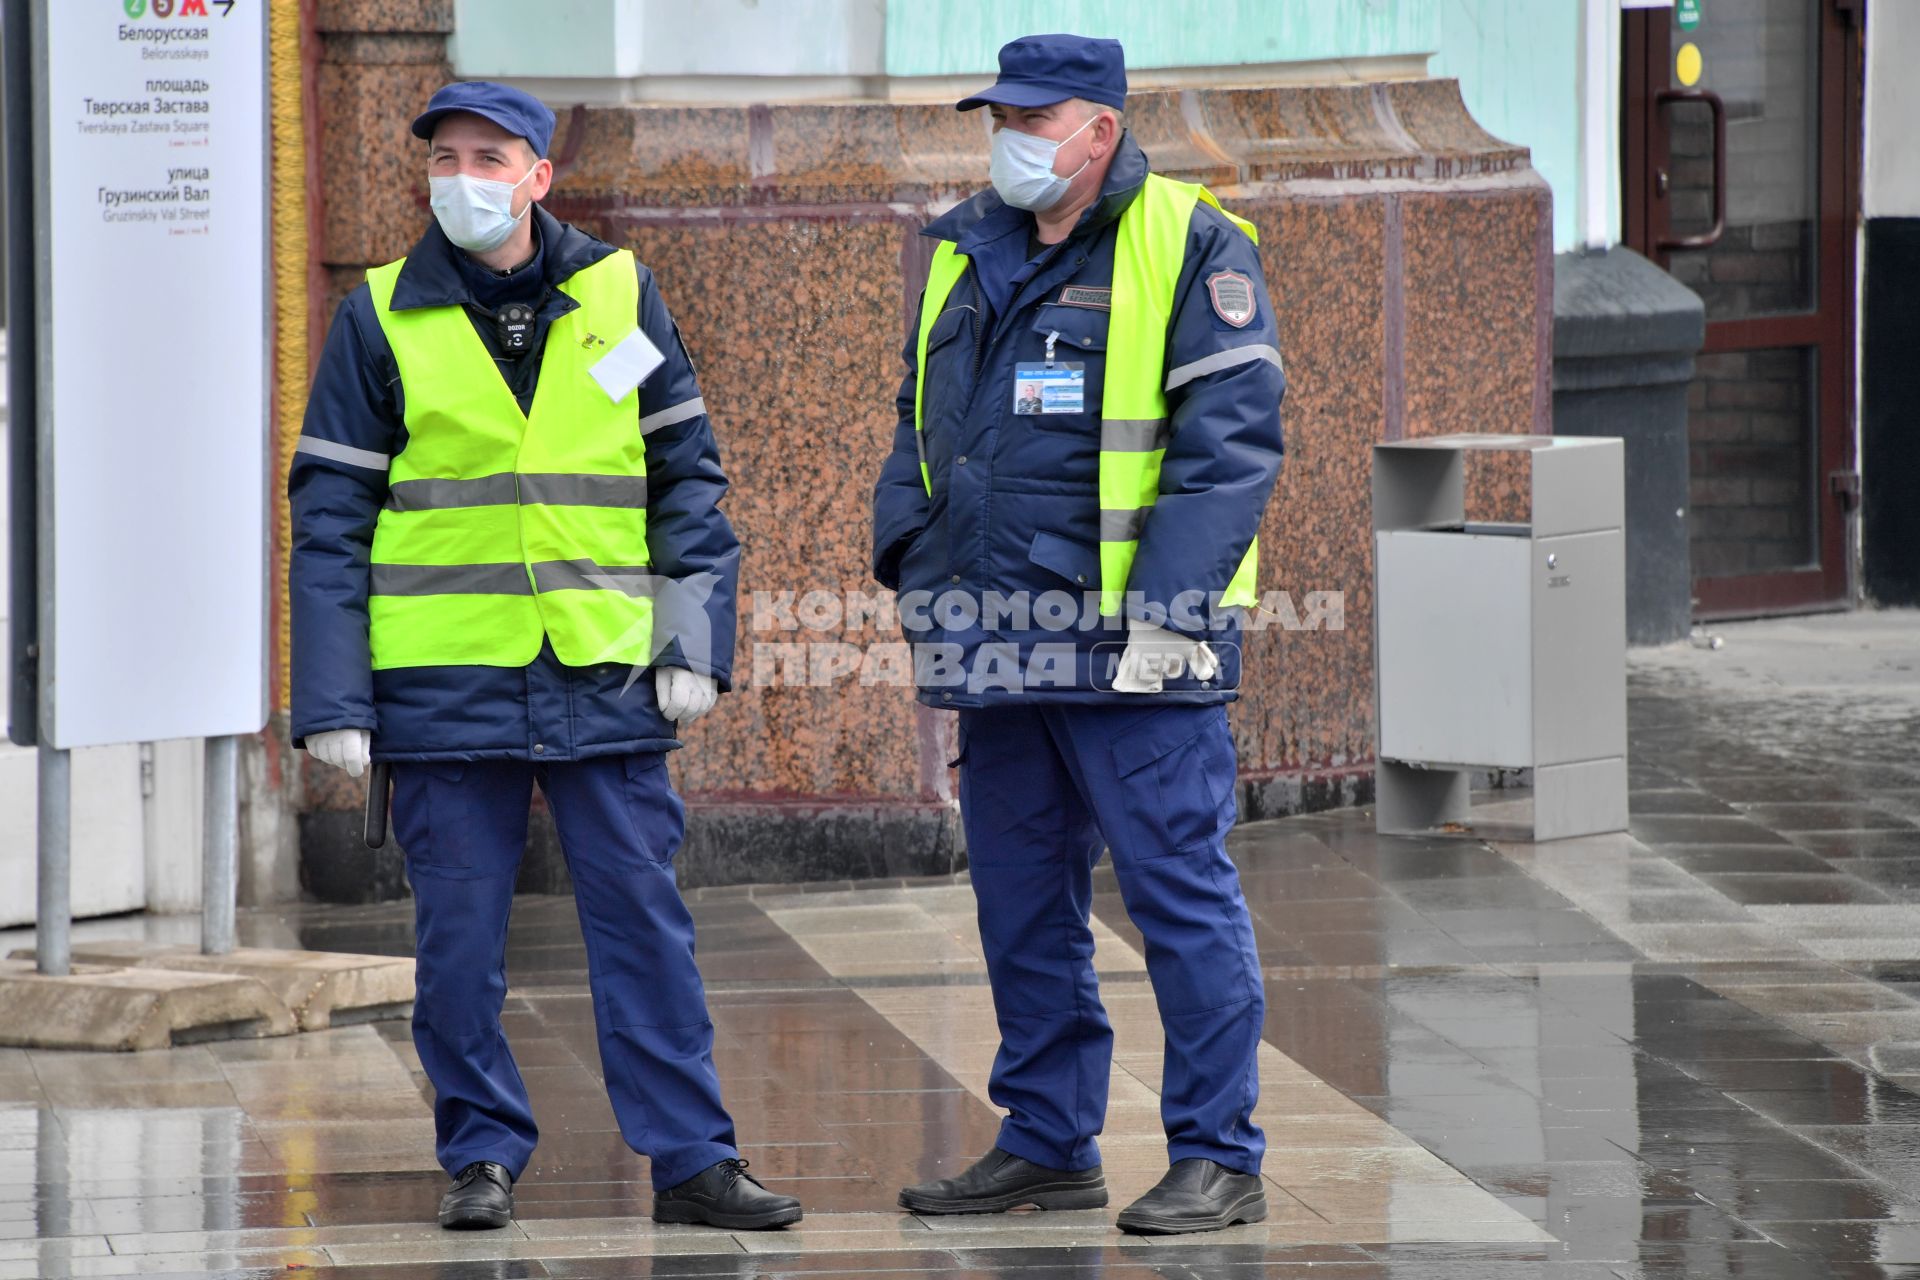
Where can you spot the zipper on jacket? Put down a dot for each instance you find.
(973, 392)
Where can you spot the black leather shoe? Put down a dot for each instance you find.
(725, 1195)
(481, 1197)
(1000, 1181)
(1196, 1195)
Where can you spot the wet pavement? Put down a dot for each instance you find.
(1692, 1050)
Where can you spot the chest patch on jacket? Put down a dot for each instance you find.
(1080, 295)
(1232, 295)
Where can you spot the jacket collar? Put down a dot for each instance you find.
(431, 275)
(985, 216)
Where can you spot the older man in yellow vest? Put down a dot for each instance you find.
(505, 510)
(1089, 429)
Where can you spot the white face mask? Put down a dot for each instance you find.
(1022, 168)
(476, 213)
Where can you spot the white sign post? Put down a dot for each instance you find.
(155, 333)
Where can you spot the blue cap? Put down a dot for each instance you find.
(516, 111)
(1038, 71)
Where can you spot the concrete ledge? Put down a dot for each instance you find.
(1289, 793)
(319, 988)
(800, 841)
(127, 1009)
(336, 865)
(727, 843)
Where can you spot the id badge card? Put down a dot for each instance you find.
(627, 364)
(1049, 388)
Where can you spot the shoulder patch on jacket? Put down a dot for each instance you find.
(1232, 295)
(1080, 295)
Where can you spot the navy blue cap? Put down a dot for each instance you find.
(1038, 71)
(516, 111)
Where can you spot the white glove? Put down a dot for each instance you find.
(1155, 654)
(342, 748)
(684, 695)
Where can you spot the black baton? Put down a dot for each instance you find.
(377, 779)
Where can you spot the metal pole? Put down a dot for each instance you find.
(53, 923)
(221, 864)
(53, 919)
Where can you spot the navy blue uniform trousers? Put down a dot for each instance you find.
(463, 826)
(1042, 788)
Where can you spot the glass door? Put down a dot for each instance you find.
(1741, 121)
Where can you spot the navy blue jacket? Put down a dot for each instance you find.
(1014, 512)
(545, 710)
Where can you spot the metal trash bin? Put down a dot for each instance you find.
(1500, 645)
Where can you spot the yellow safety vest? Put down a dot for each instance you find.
(1147, 258)
(501, 527)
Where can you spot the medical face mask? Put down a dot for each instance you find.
(1022, 168)
(476, 213)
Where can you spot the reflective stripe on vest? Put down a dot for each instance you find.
(1148, 254)
(502, 527)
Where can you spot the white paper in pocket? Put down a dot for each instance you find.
(626, 365)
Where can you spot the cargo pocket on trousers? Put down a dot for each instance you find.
(433, 814)
(1176, 776)
(658, 814)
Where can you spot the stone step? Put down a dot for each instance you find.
(119, 1009)
(319, 989)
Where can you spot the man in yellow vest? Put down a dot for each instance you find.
(1089, 429)
(506, 508)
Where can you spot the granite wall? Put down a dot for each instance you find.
(1409, 258)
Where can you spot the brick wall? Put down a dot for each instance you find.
(1750, 427)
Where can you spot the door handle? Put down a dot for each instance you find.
(1711, 236)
